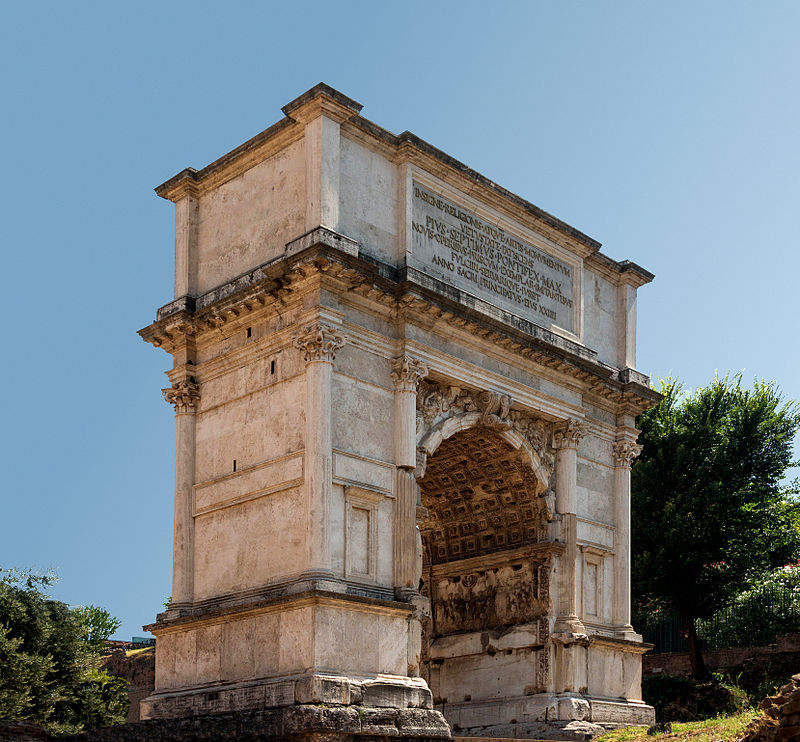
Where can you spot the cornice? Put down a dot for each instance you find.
(267, 599)
(321, 99)
(191, 182)
(277, 283)
(624, 271)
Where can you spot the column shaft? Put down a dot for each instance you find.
(565, 441)
(406, 372)
(622, 546)
(183, 530)
(184, 396)
(566, 477)
(625, 450)
(318, 465)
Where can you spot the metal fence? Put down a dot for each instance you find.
(756, 623)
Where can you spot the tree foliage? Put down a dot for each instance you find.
(708, 505)
(49, 659)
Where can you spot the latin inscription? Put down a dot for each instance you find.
(457, 246)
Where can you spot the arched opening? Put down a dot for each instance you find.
(486, 569)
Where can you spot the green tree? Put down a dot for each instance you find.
(709, 509)
(50, 656)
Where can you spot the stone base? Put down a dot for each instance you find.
(388, 692)
(544, 716)
(306, 723)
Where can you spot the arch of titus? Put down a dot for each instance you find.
(404, 402)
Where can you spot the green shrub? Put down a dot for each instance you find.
(678, 698)
(768, 606)
(49, 659)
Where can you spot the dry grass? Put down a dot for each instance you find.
(722, 728)
(134, 652)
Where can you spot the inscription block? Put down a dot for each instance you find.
(455, 245)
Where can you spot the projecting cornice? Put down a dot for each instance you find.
(405, 147)
(405, 292)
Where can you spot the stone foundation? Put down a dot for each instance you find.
(317, 689)
(310, 723)
(544, 716)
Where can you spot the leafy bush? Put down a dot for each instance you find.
(677, 698)
(769, 605)
(49, 659)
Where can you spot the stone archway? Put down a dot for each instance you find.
(482, 496)
(484, 473)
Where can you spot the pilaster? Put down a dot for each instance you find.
(565, 441)
(322, 111)
(186, 222)
(184, 396)
(319, 343)
(624, 450)
(626, 325)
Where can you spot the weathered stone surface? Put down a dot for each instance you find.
(405, 404)
(295, 723)
(781, 717)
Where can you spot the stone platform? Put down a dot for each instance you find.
(309, 723)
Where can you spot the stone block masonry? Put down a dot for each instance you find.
(404, 404)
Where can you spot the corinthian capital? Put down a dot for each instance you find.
(569, 434)
(184, 395)
(406, 372)
(625, 451)
(319, 342)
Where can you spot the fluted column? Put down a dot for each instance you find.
(319, 343)
(565, 440)
(625, 451)
(406, 373)
(184, 396)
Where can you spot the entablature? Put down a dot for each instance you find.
(410, 294)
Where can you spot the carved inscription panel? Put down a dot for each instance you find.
(459, 247)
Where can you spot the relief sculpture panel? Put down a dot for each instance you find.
(491, 598)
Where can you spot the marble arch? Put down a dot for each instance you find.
(322, 270)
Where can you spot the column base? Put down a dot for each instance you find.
(569, 625)
(627, 633)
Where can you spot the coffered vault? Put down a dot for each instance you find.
(405, 406)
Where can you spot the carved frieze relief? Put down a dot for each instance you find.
(492, 598)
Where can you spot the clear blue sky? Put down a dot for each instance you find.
(668, 131)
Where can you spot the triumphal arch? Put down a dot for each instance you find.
(404, 402)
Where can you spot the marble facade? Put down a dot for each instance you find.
(404, 403)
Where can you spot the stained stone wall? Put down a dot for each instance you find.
(405, 403)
